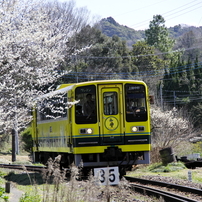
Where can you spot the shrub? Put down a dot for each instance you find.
(27, 139)
(171, 167)
(30, 197)
(3, 194)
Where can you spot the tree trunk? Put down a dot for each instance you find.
(13, 146)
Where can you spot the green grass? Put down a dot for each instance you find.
(171, 167)
(175, 170)
(3, 195)
(30, 197)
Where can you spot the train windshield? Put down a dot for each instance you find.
(85, 110)
(110, 103)
(135, 99)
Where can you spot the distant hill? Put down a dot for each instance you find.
(110, 27)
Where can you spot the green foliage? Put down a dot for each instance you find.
(110, 28)
(27, 139)
(171, 167)
(197, 148)
(3, 195)
(30, 197)
(182, 87)
(2, 174)
(99, 54)
(5, 143)
(158, 36)
(145, 58)
(24, 178)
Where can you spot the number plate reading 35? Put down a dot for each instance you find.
(107, 175)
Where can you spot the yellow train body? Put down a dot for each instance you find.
(114, 129)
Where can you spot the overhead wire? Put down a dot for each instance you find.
(172, 71)
(164, 14)
(141, 8)
(186, 12)
(151, 73)
(134, 74)
(131, 56)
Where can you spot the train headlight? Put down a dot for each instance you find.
(86, 131)
(134, 128)
(137, 128)
(89, 130)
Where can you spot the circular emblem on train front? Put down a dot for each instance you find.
(111, 123)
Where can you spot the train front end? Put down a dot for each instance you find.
(111, 124)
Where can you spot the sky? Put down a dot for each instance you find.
(137, 14)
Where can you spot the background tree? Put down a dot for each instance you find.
(158, 36)
(99, 56)
(32, 49)
(189, 42)
(143, 57)
(182, 88)
(169, 128)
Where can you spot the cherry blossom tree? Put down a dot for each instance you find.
(169, 128)
(33, 44)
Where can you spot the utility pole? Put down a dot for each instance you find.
(161, 95)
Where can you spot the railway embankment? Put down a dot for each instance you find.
(175, 173)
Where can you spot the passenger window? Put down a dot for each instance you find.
(52, 108)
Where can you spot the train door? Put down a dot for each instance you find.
(111, 114)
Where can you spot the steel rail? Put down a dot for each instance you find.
(165, 184)
(23, 167)
(167, 196)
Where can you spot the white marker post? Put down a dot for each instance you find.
(190, 176)
(107, 175)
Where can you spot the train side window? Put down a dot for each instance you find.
(52, 108)
(135, 99)
(85, 110)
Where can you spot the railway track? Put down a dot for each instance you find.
(195, 195)
(23, 167)
(139, 185)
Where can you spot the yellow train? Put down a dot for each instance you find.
(94, 124)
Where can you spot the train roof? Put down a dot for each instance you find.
(100, 82)
(64, 88)
(58, 91)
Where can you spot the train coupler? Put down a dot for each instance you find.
(112, 153)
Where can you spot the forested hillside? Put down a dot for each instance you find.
(110, 28)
